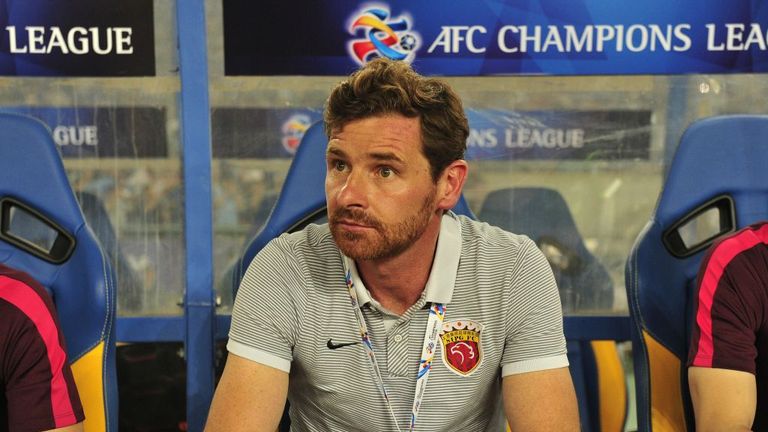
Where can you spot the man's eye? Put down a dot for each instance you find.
(385, 171)
(339, 166)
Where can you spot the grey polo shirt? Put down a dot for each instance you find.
(503, 316)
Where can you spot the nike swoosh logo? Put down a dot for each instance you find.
(334, 346)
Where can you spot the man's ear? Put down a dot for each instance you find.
(450, 184)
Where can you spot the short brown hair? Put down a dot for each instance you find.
(384, 86)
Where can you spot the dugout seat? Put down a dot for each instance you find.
(127, 281)
(717, 183)
(543, 215)
(585, 286)
(43, 232)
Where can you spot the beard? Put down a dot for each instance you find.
(385, 240)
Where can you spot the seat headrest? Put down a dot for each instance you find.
(534, 211)
(32, 172)
(725, 155)
(543, 215)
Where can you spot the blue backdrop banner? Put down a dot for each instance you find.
(77, 38)
(494, 134)
(104, 132)
(497, 37)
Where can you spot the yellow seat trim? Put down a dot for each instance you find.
(667, 412)
(88, 371)
(612, 386)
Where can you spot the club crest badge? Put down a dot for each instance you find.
(462, 351)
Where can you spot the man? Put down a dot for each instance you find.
(37, 390)
(728, 359)
(352, 319)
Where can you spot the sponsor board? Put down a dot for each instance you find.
(490, 37)
(494, 134)
(104, 132)
(77, 38)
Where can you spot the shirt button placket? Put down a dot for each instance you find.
(398, 352)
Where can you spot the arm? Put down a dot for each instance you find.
(723, 399)
(249, 397)
(537, 388)
(728, 318)
(541, 401)
(252, 392)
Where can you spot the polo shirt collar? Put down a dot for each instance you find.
(445, 266)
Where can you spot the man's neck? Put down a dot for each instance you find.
(398, 282)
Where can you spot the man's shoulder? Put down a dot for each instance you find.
(19, 288)
(12, 319)
(310, 237)
(743, 253)
(23, 304)
(742, 240)
(310, 248)
(483, 234)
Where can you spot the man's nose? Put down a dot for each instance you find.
(354, 191)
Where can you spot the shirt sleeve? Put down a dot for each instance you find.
(727, 316)
(534, 318)
(39, 387)
(265, 321)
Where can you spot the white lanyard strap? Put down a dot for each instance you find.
(435, 322)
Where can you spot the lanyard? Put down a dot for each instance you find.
(436, 316)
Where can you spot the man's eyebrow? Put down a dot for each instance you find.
(378, 156)
(334, 151)
(386, 157)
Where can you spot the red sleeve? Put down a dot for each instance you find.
(730, 303)
(39, 387)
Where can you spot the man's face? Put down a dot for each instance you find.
(379, 189)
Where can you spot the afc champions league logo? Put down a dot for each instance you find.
(293, 131)
(462, 352)
(380, 35)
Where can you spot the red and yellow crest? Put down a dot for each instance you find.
(462, 352)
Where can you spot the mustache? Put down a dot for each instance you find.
(353, 215)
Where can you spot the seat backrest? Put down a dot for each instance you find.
(302, 198)
(543, 215)
(44, 234)
(717, 183)
(97, 219)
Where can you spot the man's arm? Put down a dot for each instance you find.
(723, 399)
(249, 397)
(541, 401)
